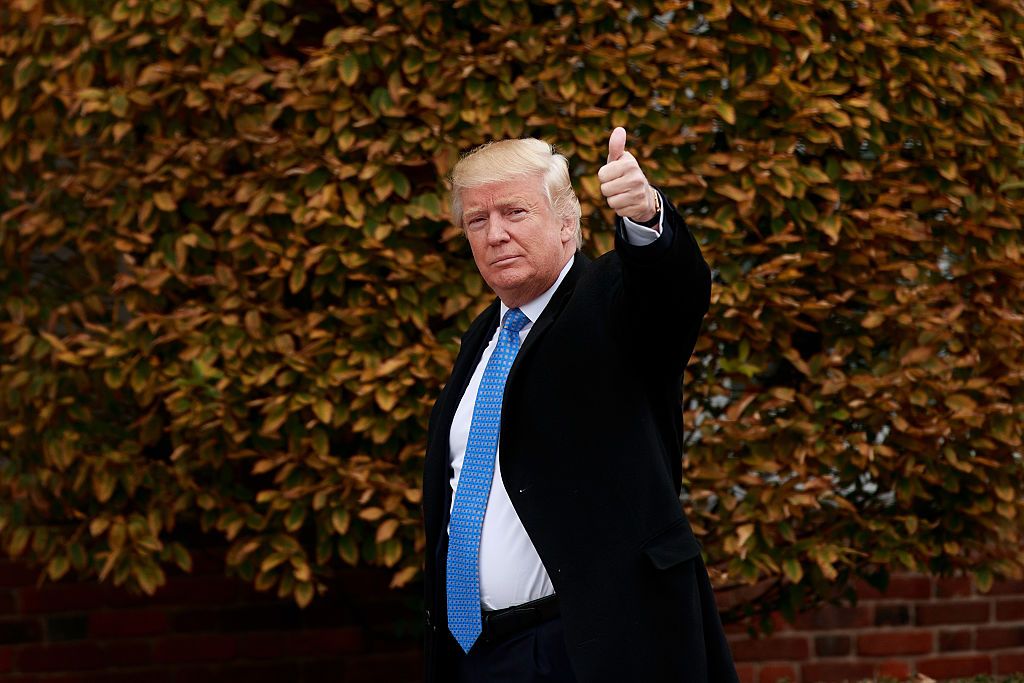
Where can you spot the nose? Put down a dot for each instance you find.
(496, 230)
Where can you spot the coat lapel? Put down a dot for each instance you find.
(436, 472)
(550, 314)
(473, 345)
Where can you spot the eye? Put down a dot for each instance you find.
(516, 211)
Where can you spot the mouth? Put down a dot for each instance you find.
(503, 260)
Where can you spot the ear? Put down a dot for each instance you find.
(567, 232)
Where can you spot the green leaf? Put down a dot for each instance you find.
(19, 539)
(726, 111)
(340, 520)
(296, 516)
(218, 14)
(983, 579)
(334, 37)
(275, 418)
(303, 593)
(164, 201)
(348, 69)
(348, 551)
(102, 28)
(793, 570)
(324, 410)
(57, 567)
(297, 280)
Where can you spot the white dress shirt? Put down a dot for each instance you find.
(511, 571)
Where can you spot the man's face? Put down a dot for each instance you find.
(518, 242)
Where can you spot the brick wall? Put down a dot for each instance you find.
(943, 628)
(204, 627)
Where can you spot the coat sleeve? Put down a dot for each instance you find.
(666, 291)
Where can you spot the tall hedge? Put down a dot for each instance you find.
(229, 289)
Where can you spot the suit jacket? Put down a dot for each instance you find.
(591, 456)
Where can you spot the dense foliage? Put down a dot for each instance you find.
(229, 290)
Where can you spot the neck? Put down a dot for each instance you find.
(521, 298)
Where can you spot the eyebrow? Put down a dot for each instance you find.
(505, 203)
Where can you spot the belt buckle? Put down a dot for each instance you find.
(486, 629)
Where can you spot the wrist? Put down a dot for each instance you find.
(651, 218)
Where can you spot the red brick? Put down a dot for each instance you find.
(108, 676)
(399, 667)
(894, 668)
(777, 673)
(20, 631)
(953, 587)
(1009, 609)
(184, 590)
(1007, 588)
(901, 586)
(892, 615)
(72, 597)
(200, 675)
(950, 641)
(197, 621)
(952, 612)
(953, 667)
(127, 653)
(127, 623)
(16, 574)
(272, 644)
(264, 672)
(1010, 663)
(59, 657)
(208, 561)
(832, 617)
(330, 670)
(334, 640)
(779, 623)
(832, 646)
(267, 644)
(836, 672)
(886, 643)
(735, 627)
(279, 617)
(746, 673)
(1000, 638)
(777, 648)
(291, 671)
(205, 648)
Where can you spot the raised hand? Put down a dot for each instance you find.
(623, 183)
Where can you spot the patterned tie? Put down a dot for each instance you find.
(475, 486)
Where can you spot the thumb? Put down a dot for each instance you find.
(616, 144)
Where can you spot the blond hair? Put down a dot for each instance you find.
(506, 160)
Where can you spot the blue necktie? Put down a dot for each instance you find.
(474, 487)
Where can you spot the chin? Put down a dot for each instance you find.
(509, 280)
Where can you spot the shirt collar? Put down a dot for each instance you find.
(534, 308)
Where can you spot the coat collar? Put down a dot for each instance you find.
(551, 311)
(475, 341)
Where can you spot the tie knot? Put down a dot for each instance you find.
(515, 320)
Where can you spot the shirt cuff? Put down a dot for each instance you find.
(641, 235)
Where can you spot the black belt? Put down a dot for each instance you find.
(502, 623)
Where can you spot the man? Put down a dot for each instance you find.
(557, 549)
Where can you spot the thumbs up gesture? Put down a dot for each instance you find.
(623, 183)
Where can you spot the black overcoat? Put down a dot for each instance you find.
(591, 456)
